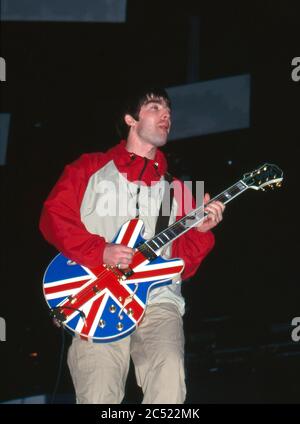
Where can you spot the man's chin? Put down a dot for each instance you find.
(160, 142)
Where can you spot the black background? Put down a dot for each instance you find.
(65, 83)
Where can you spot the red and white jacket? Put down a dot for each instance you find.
(85, 209)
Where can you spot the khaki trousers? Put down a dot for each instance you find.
(99, 370)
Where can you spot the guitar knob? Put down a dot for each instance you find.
(101, 323)
(112, 309)
(120, 326)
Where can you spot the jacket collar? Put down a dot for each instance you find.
(134, 165)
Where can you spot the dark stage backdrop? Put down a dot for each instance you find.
(65, 83)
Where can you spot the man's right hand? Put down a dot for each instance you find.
(117, 255)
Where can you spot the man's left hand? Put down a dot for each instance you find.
(215, 214)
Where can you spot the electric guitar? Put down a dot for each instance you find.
(104, 304)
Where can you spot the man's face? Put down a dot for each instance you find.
(154, 122)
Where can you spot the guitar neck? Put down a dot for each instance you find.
(190, 220)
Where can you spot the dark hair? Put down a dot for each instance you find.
(135, 101)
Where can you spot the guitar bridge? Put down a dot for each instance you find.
(125, 273)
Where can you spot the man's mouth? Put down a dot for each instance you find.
(165, 127)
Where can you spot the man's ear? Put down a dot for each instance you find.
(130, 121)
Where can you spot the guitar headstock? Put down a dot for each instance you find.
(267, 175)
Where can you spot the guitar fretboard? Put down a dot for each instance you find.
(190, 220)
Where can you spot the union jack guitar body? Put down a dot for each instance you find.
(104, 304)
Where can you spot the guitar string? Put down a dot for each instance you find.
(144, 246)
(231, 191)
(176, 224)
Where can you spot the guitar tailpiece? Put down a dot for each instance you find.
(61, 316)
(57, 314)
(128, 300)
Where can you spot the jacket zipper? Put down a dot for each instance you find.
(137, 206)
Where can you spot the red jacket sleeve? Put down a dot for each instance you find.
(193, 246)
(60, 221)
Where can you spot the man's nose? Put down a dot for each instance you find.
(166, 114)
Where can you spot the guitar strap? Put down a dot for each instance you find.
(163, 220)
